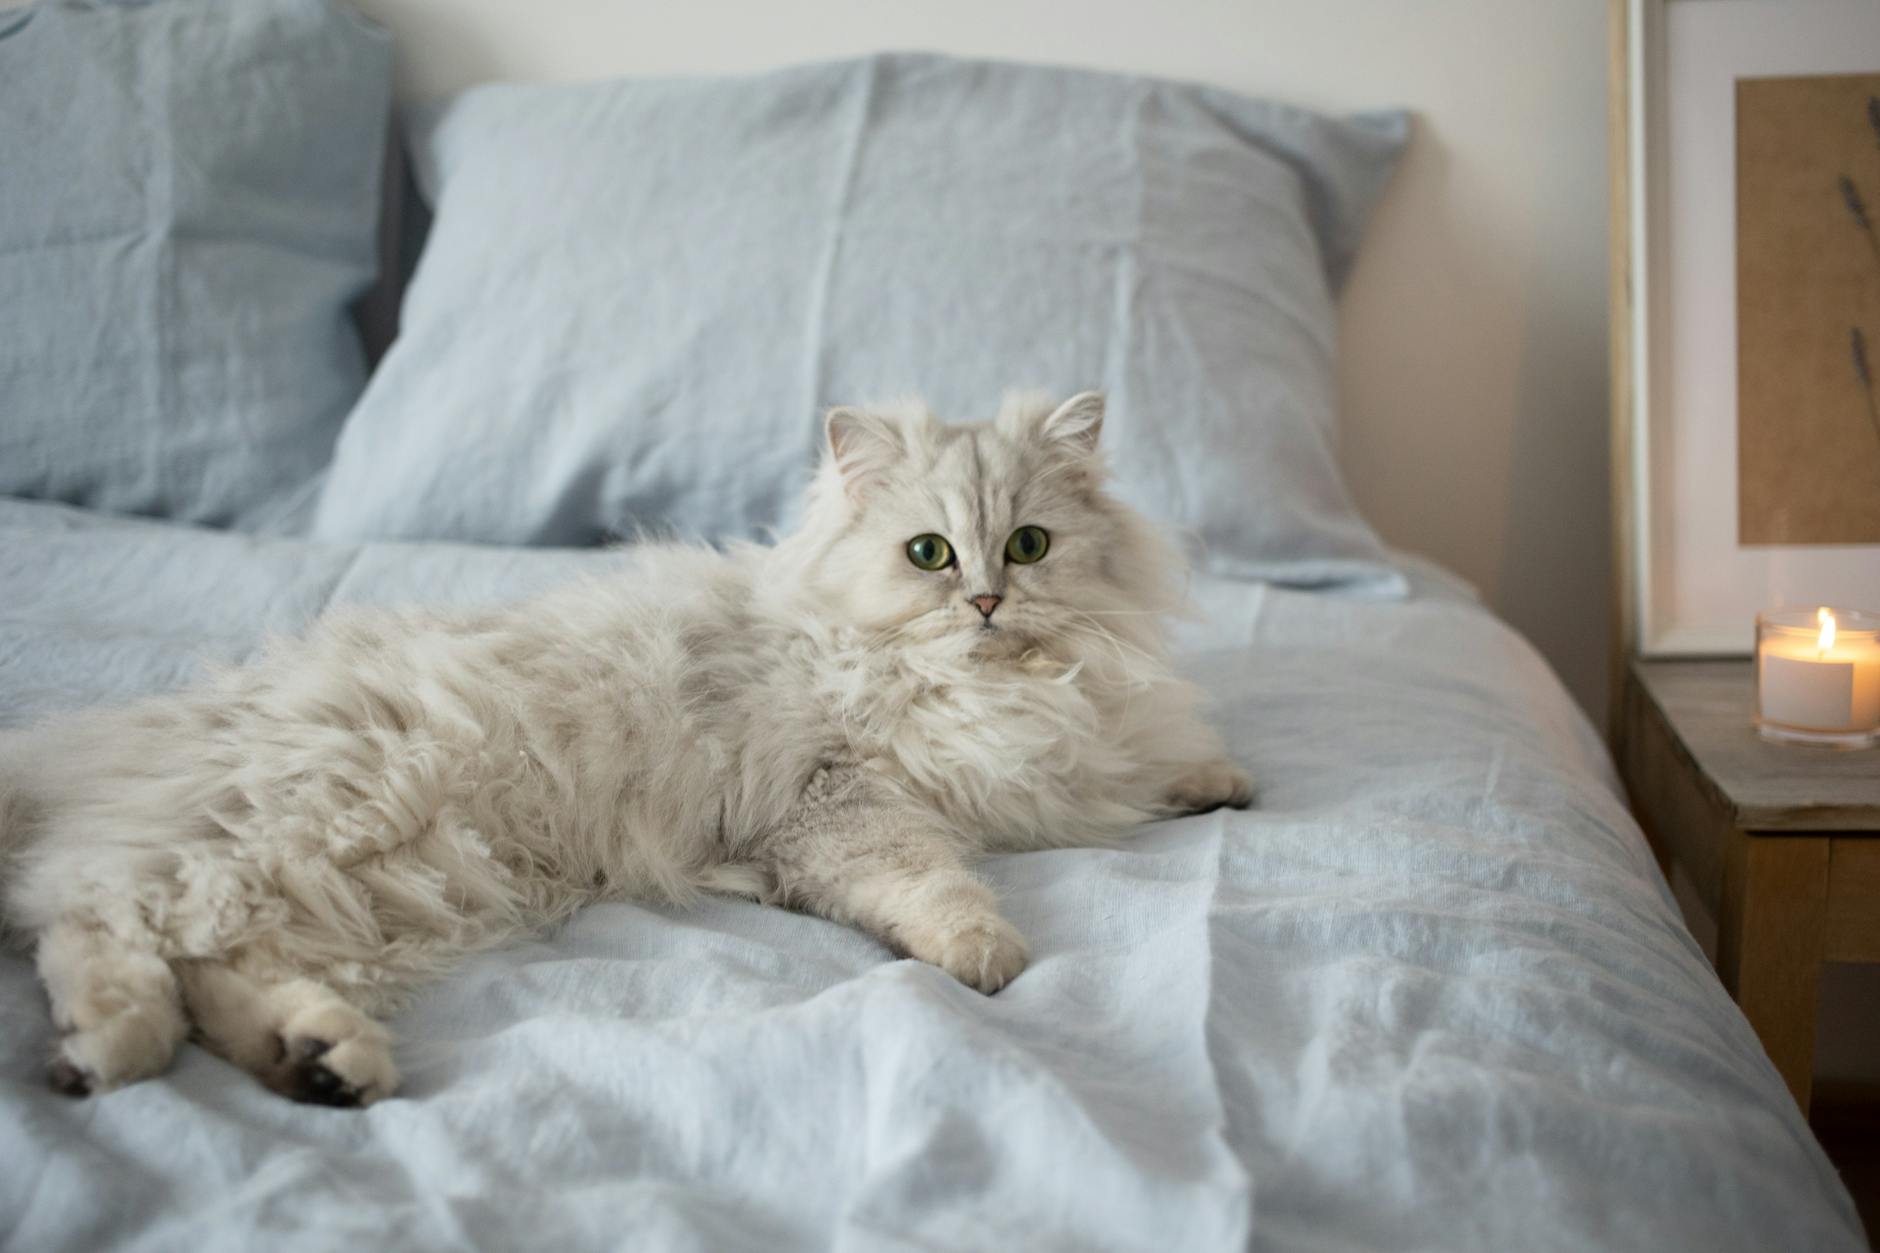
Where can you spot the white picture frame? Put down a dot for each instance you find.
(1686, 587)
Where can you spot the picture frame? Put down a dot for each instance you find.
(1685, 586)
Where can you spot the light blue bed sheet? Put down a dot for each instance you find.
(1431, 994)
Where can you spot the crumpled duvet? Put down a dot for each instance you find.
(1430, 994)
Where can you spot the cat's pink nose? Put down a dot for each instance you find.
(986, 605)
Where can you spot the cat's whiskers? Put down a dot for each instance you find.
(1111, 637)
(1131, 677)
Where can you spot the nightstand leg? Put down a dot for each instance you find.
(1770, 942)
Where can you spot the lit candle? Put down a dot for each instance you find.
(1818, 676)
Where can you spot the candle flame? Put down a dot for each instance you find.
(1827, 630)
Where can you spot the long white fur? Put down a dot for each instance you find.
(281, 852)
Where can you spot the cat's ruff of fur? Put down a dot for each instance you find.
(280, 852)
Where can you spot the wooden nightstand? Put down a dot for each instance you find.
(1782, 842)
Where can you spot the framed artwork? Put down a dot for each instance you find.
(1808, 309)
(1746, 315)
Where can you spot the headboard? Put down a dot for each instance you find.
(1475, 373)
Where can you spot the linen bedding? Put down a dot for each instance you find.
(1430, 993)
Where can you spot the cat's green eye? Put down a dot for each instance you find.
(930, 552)
(1028, 544)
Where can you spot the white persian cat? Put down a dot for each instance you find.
(960, 650)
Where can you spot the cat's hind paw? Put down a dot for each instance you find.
(334, 1056)
(133, 1044)
(308, 1078)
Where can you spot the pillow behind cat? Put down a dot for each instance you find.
(189, 198)
(637, 298)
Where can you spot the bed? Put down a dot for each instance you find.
(1431, 993)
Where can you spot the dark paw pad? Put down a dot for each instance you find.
(314, 1084)
(310, 1080)
(66, 1079)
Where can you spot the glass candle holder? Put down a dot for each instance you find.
(1818, 676)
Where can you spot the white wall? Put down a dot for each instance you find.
(1475, 367)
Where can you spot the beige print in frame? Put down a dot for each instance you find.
(1808, 309)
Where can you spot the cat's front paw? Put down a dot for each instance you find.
(1216, 785)
(985, 954)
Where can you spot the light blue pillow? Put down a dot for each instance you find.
(189, 197)
(638, 296)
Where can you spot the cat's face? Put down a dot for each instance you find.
(997, 533)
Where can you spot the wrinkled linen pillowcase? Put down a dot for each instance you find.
(189, 200)
(638, 296)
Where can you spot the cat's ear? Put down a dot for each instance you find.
(1070, 428)
(1076, 423)
(861, 447)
